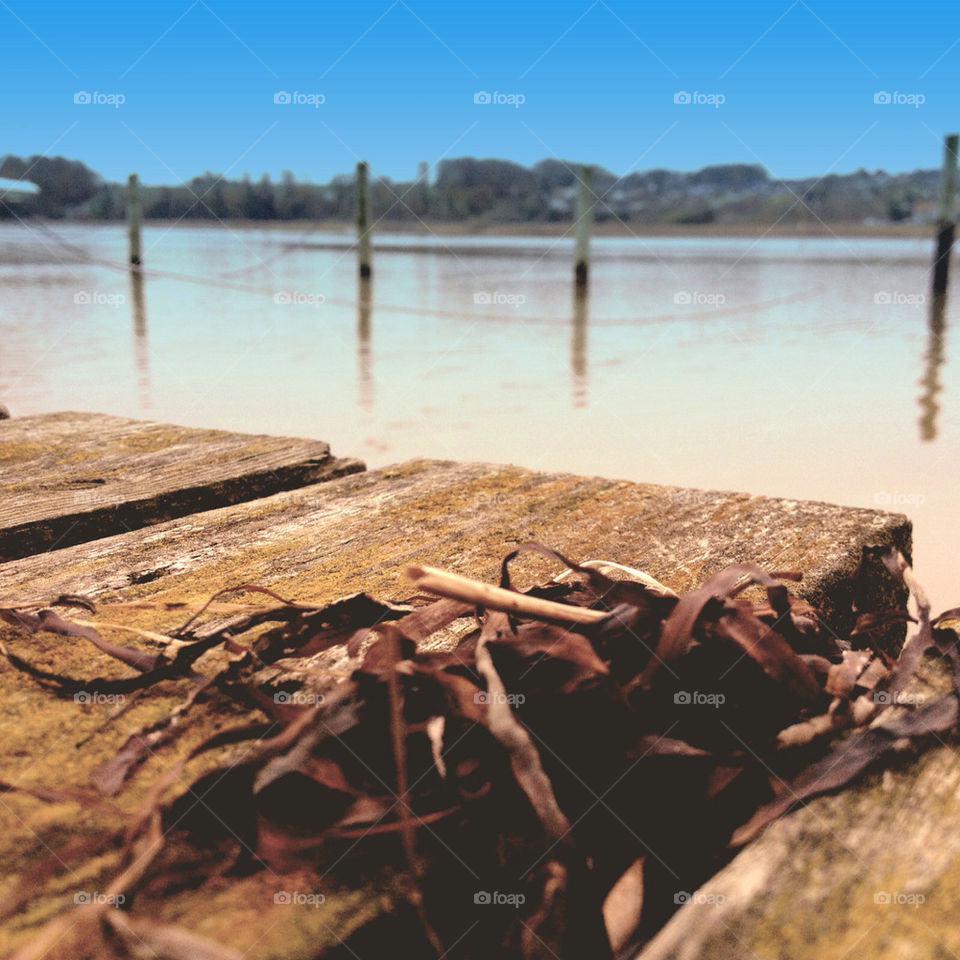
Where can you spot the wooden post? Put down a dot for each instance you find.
(584, 215)
(363, 221)
(945, 222)
(133, 220)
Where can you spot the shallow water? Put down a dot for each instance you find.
(787, 367)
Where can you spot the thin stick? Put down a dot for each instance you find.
(398, 738)
(157, 638)
(452, 585)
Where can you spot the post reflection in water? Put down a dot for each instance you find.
(578, 347)
(933, 361)
(365, 382)
(141, 348)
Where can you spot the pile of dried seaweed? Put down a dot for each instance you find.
(544, 787)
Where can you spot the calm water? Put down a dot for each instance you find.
(796, 368)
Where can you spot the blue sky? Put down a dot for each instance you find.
(598, 80)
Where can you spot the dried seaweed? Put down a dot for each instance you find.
(587, 743)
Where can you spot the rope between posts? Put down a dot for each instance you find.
(226, 284)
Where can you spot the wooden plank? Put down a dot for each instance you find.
(871, 872)
(316, 544)
(67, 478)
(357, 533)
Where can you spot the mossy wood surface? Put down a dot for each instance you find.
(68, 478)
(316, 544)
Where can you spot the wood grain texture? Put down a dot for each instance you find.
(873, 871)
(358, 532)
(68, 478)
(316, 544)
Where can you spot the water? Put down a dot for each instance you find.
(789, 367)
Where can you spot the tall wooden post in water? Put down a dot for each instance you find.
(133, 219)
(584, 215)
(363, 221)
(945, 221)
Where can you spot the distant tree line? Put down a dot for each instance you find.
(64, 184)
(495, 191)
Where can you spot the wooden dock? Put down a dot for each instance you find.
(227, 509)
(67, 478)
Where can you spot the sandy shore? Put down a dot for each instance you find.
(478, 228)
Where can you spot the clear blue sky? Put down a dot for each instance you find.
(399, 77)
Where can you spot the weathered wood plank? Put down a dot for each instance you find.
(68, 478)
(316, 544)
(357, 533)
(873, 871)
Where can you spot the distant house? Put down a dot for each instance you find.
(16, 190)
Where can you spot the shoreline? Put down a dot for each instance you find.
(749, 230)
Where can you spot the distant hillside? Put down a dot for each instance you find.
(495, 191)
